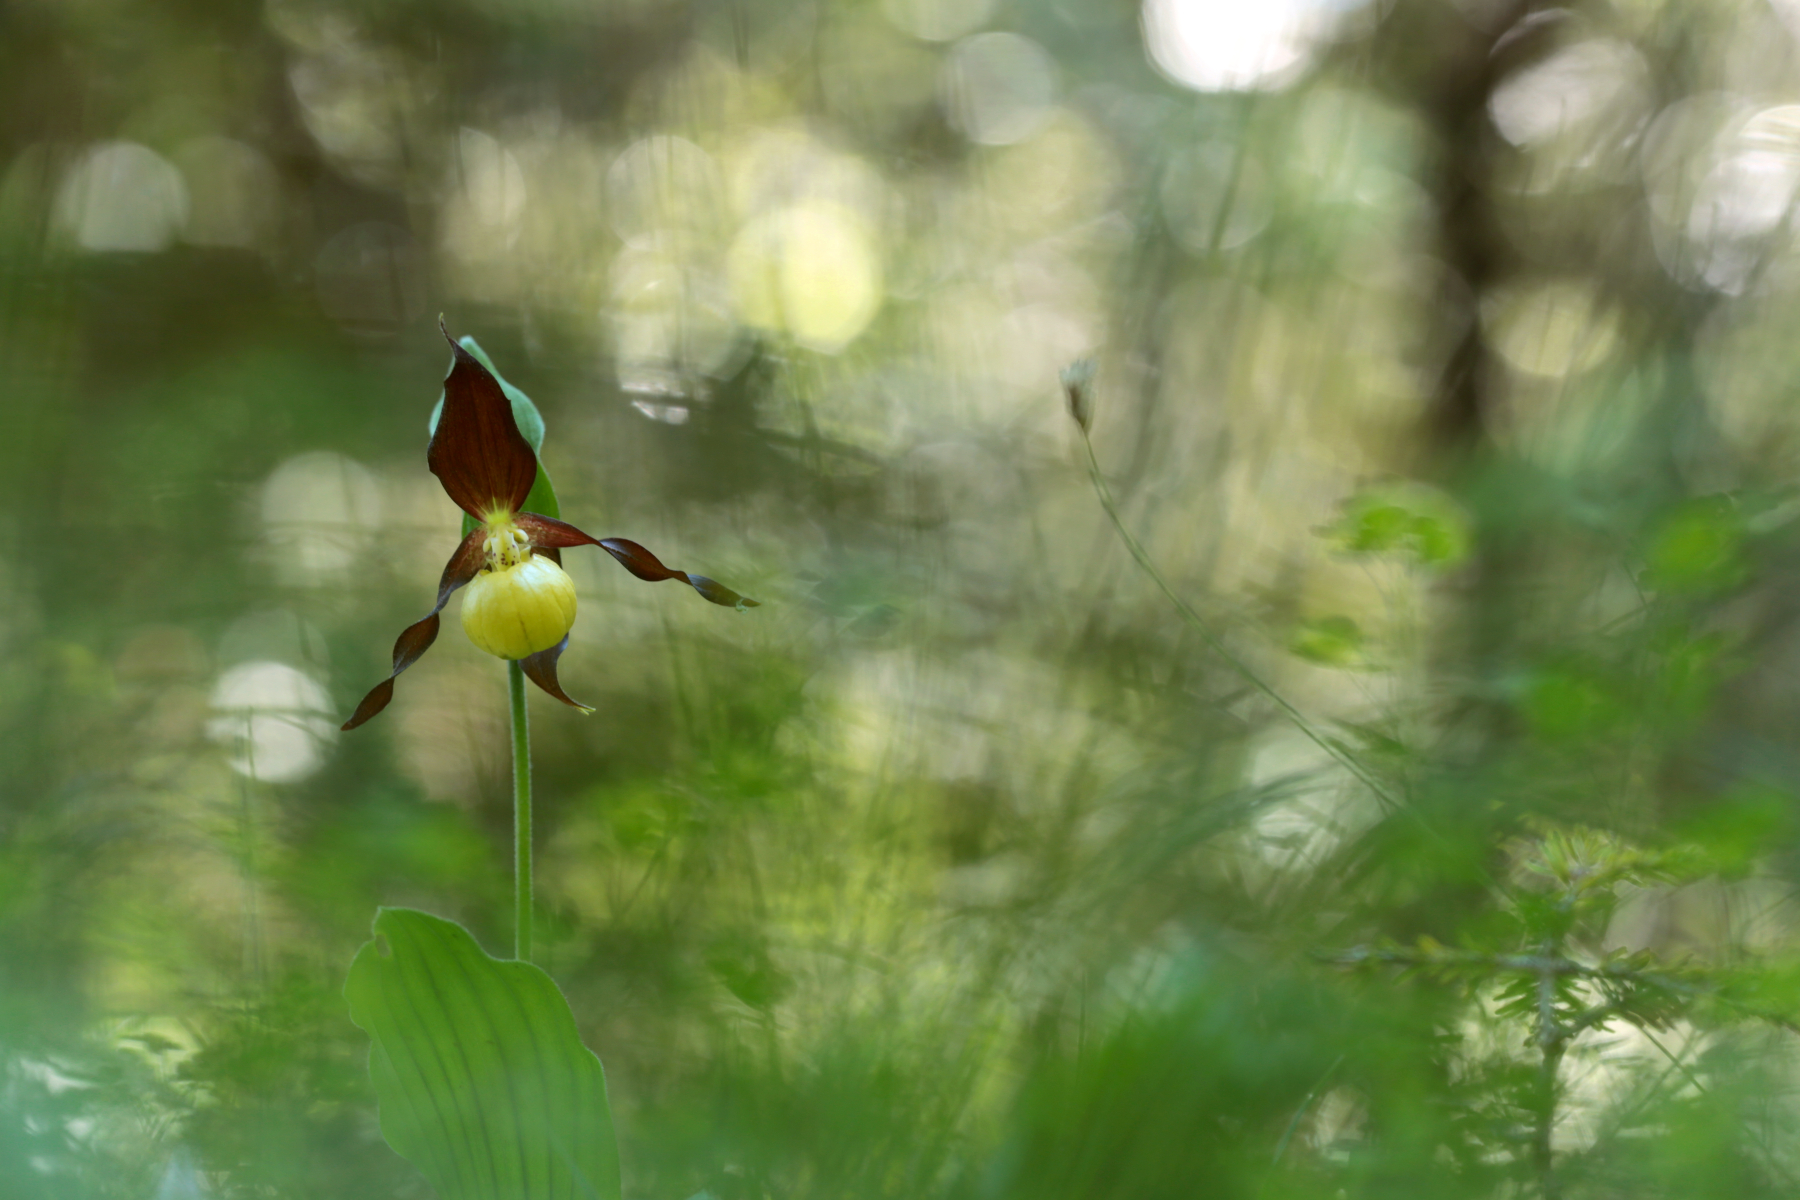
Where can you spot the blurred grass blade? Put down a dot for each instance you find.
(484, 1084)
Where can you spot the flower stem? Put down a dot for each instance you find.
(521, 743)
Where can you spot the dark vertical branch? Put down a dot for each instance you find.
(1556, 1026)
(1454, 98)
(1552, 1040)
(1445, 65)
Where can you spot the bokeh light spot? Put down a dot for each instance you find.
(1574, 87)
(1223, 46)
(662, 186)
(123, 197)
(1744, 199)
(810, 269)
(1552, 329)
(999, 88)
(1214, 197)
(489, 179)
(319, 512)
(938, 20)
(668, 323)
(277, 720)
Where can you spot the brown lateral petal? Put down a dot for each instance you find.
(463, 566)
(718, 593)
(478, 453)
(549, 533)
(374, 702)
(416, 638)
(540, 668)
(645, 565)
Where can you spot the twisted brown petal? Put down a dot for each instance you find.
(645, 565)
(540, 668)
(477, 452)
(416, 638)
(549, 533)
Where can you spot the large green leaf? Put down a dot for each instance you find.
(542, 499)
(483, 1081)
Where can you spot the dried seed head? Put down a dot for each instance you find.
(1078, 386)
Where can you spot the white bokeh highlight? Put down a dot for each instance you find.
(1229, 45)
(1745, 199)
(276, 721)
(319, 514)
(1574, 88)
(999, 88)
(123, 197)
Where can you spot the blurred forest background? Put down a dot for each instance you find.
(1446, 371)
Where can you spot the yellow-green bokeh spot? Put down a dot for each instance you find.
(812, 270)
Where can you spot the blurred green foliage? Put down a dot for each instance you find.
(1443, 370)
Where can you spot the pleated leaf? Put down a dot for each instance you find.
(483, 1081)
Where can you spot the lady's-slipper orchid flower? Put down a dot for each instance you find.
(520, 603)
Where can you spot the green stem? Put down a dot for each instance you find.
(521, 743)
(1294, 1121)
(253, 944)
